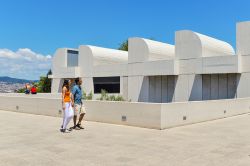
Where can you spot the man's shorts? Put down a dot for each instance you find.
(79, 109)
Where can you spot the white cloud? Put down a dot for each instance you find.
(24, 63)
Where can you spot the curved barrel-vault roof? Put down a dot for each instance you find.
(189, 44)
(102, 56)
(140, 50)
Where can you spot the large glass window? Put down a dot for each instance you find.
(109, 84)
(72, 58)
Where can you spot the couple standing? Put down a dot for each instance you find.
(72, 105)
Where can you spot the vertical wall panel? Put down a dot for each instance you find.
(152, 89)
(195, 87)
(231, 86)
(124, 87)
(243, 89)
(144, 90)
(181, 89)
(161, 89)
(206, 87)
(158, 89)
(133, 88)
(171, 87)
(164, 91)
(214, 86)
(222, 86)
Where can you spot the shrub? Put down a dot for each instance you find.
(22, 90)
(105, 96)
(88, 96)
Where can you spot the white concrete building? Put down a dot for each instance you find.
(197, 68)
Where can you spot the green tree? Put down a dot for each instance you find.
(123, 46)
(44, 85)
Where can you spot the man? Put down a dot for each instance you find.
(27, 89)
(79, 108)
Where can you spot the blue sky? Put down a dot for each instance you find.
(42, 26)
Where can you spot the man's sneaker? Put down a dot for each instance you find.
(79, 126)
(73, 127)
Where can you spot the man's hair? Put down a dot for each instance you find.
(77, 80)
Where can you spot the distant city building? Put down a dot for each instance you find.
(6, 87)
(197, 68)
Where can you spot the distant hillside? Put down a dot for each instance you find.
(15, 80)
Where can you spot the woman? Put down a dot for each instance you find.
(66, 105)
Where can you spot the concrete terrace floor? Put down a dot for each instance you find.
(33, 140)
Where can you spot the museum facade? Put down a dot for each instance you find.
(196, 68)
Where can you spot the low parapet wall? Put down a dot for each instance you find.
(177, 114)
(40, 104)
(148, 115)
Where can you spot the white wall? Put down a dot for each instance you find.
(243, 38)
(124, 87)
(88, 85)
(137, 114)
(56, 85)
(149, 115)
(221, 64)
(198, 111)
(42, 105)
(243, 89)
(135, 83)
(60, 58)
(188, 88)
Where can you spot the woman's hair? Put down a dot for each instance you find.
(66, 84)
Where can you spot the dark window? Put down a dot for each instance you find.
(110, 84)
(72, 58)
(72, 51)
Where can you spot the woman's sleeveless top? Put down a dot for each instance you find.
(67, 96)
